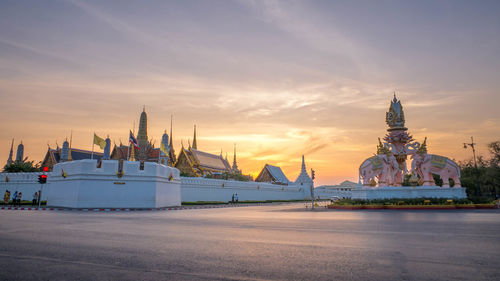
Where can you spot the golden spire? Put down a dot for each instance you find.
(423, 147)
(171, 152)
(194, 138)
(70, 143)
(11, 153)
(381, 149)
(235, 165)
(132, 153)
(171, 142)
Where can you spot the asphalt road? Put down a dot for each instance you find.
(266, 242)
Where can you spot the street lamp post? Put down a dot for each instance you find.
(472, 144)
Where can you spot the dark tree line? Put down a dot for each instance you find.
(483, 181)
(24, 166)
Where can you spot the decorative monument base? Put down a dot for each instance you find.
(80, 184)
(388, 192)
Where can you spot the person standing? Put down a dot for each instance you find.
(6, 197)
(14, 198)
(232, 199)
(35, 197)
(236, 197)
(19, 198)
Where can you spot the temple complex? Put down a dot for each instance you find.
(190, 161)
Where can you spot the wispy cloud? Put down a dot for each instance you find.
(120, 26)
(280, 79)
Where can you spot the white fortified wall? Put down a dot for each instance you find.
(329, 193)
(386, 192)
(80, 184)
(27, 183)
(202, 189)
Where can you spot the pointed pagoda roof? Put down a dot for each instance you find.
(235, 164)
(194, 138)
(9, 160)
(304, 176)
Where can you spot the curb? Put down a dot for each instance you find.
(412, 207)
(119, 209)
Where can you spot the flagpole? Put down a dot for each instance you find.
(93, 141)
(128, 152)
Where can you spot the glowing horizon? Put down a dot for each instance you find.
(279, 79)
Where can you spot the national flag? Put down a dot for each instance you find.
(163, 148)
(99, 141)
(132, 140)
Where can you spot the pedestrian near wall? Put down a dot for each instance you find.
(236, 197)
(14, 198)
(232, 199)
(6, 197)
(35, 197)
(19, 198)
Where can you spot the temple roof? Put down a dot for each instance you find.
(77, 154)
(122, 152)
(208, 160)
(277, 174)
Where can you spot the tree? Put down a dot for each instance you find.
(494, 149)
(27, 166)
(485, 180)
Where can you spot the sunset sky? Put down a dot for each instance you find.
(278, 78)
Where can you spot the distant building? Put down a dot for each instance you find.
(342, 190)
(343, 186)
(272, 174)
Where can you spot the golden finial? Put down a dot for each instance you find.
(423, 147)
(381, 149)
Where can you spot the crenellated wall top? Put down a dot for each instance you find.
(112, 168)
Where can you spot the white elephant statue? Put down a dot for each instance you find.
(381, 166)
(427, 164)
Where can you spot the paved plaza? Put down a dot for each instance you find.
(271, 242)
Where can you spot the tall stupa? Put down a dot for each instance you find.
(142, 135)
